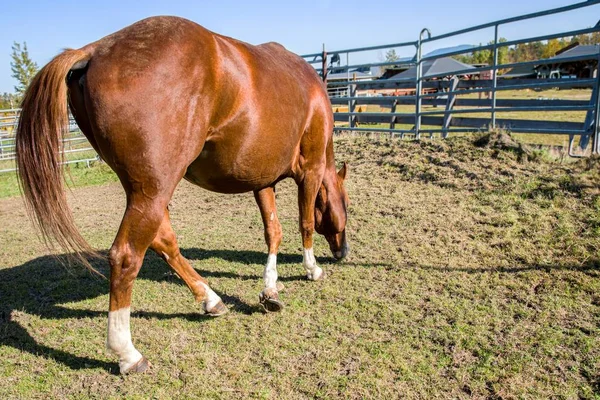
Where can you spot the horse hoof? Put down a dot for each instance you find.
(269, 300)
(139, 367)
(271, 305)
(316, 274)
(217, 310)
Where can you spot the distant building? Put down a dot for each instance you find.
(560, 66)
(393, 71)
(520, 72)
(447, 66)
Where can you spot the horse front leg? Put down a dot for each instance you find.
(165, 245)
(269, 297)
(307, 194)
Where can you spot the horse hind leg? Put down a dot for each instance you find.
(146, 223)
(165, 245)
(138, 227)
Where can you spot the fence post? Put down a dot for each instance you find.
(393, 119)
(449, 106)
(347, 65)
(352, 106)
(590, 120)
(419, 84)
(324, 64)
(596, 143)
(494, 76)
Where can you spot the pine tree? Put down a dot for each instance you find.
(23, 68)
(391, 55)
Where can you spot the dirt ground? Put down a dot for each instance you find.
(474, 273)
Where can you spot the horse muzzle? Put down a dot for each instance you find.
(341, 254)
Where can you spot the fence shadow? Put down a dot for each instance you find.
(590, 266)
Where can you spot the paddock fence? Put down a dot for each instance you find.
(76, 148)
(431, 104)
(451, 106)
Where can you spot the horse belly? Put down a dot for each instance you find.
(227, 171)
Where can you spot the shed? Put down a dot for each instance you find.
(559, 65)
(445, 65)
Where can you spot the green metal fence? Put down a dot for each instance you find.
(440, 90)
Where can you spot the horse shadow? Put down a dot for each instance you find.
(41, 286)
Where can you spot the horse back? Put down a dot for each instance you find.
(221, 109)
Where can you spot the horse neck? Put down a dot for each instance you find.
(330, 158)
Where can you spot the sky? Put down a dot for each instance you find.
(301, 26)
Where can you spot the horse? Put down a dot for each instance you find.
(163, 100)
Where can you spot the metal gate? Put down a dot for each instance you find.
(434, 90)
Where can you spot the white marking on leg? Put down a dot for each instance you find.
(211, 299)
(270, 273)
(313, 271)
(272, 217)
(119, 339)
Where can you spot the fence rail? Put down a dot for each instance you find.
(432, 90)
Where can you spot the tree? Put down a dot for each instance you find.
(486, 56)
(551, 48)
(391, 55)
(483, 56)
(23, 68)
(575, 39)
(8, 101)
(502, 52)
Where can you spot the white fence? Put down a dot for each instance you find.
(76, 148)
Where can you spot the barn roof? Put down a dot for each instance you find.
(520, 71)
(581, 50)
(444, 65)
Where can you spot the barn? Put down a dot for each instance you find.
(563, 65)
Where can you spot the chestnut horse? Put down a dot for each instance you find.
(165, 99)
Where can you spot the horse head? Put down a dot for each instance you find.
(331, 212)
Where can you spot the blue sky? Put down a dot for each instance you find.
(301, 26)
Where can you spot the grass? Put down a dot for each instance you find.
(471, 275)
(78, 175)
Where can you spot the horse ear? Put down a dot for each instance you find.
(343, 171)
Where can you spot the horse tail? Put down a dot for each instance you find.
(43, 121)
